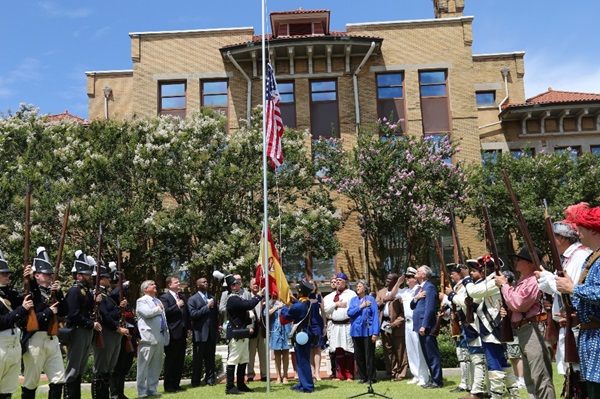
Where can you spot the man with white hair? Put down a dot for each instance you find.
(573, 255)
(154, 335)
(340, 342)
(425, 305)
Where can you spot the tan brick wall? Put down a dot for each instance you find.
(408, 47)
(120, 103)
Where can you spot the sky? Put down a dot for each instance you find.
(48, 46)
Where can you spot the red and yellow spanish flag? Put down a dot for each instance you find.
(278, 285)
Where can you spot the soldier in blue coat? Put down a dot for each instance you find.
(299, 313)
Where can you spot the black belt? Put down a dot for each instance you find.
(347, 321)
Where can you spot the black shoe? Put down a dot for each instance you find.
(263, 379)
(432, 386)
(233, 391)
(211, 382)
(362, 381)
(458, 389)
(373, 381)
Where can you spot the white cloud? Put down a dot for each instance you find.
(55, 10)
(28, 70)
(102, 32)
(560, 72)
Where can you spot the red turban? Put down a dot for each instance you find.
(590, 219)
(573, 211)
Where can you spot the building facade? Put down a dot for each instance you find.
(332, 83)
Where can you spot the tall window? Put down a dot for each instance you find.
(390, 98)
(172, 98)
(485, 98)
(324, 113)
(435, 108)
(288, 103)
(295, 268)
(215, 95)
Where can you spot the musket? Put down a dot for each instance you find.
(123, 322)
(506, 334)
(469, 316)
(551, 330)
(53, 322)
(32, 322)
(99, 339)
(445, 281)
(571, 355)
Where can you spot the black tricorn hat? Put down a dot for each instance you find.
(4, 265)
(305, 288)
(526, 255)
(230, 280)
(41, 263)
(81, 266)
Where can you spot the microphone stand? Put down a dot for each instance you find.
(370, 390)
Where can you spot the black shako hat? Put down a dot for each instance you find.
(4, 264)
(81, 265)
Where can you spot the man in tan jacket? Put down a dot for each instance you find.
(391, 317)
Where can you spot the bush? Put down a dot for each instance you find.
(445, 343)
(132, 374)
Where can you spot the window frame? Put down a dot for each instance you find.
(435, 98)
(225, 108)
(290, 106)
(176, 111)
(313, 103)
(382, 101)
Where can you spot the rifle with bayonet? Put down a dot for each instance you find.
(32, 321)
(571, 355)
(53, 322)
(123, 322)
(506, 334)
(551, 330)
(469, 305)
(445, 281)
(99, 339)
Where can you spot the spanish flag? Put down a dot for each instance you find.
(278, 285)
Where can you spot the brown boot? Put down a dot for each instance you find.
(473, 396)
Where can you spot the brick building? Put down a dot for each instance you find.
(421, 70)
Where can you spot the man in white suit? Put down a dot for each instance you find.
(154, 335)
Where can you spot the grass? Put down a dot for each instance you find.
(323, 390)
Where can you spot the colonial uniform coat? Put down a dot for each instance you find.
(11, 314)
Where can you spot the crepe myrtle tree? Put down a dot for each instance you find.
(400, 186)
(562, 179)
(169, 188)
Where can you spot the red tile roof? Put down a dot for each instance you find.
(66, 116)
(299, 11)
(558, 96)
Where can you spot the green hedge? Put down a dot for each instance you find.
(447, 351)
(131, 376)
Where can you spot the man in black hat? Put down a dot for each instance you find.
(79, 318)
(13, 311)
(43, 349)
(528, 318)
(105, 359)
(239, 321)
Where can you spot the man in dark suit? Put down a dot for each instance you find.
(204, 316)
(425, 305)
(178, 322)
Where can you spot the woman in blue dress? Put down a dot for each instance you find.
(279, 340)
(317, 323)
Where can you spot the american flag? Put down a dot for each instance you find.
(273, 119)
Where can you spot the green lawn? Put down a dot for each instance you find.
(324, 390)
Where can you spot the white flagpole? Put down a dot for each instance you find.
(265, 259)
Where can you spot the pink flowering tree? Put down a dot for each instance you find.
(399, 186)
